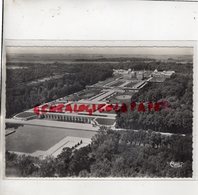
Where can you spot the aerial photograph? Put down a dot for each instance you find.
(99, 111)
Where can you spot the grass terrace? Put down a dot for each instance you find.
(102, 83)
(72, 97)
(131, 84)
(88, 93)
(85, 94)
(26, 115)
(117, 83)
(105, 121)
(121, 98)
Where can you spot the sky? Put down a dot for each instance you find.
(103, 50)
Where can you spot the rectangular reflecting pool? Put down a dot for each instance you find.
(29, 138)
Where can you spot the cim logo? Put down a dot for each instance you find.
(176, 164)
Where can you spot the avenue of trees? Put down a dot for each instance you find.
(113, 154)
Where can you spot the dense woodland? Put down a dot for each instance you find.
(177, 118)
(21, 94)
(113, 154)
(139, 151)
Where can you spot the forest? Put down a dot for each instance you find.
(177, 91)
(21, 94)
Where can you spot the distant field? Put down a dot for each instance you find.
(29, 139)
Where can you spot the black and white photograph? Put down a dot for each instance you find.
(98, 111)
(98, 97)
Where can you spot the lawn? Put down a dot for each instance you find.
(105, 121)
